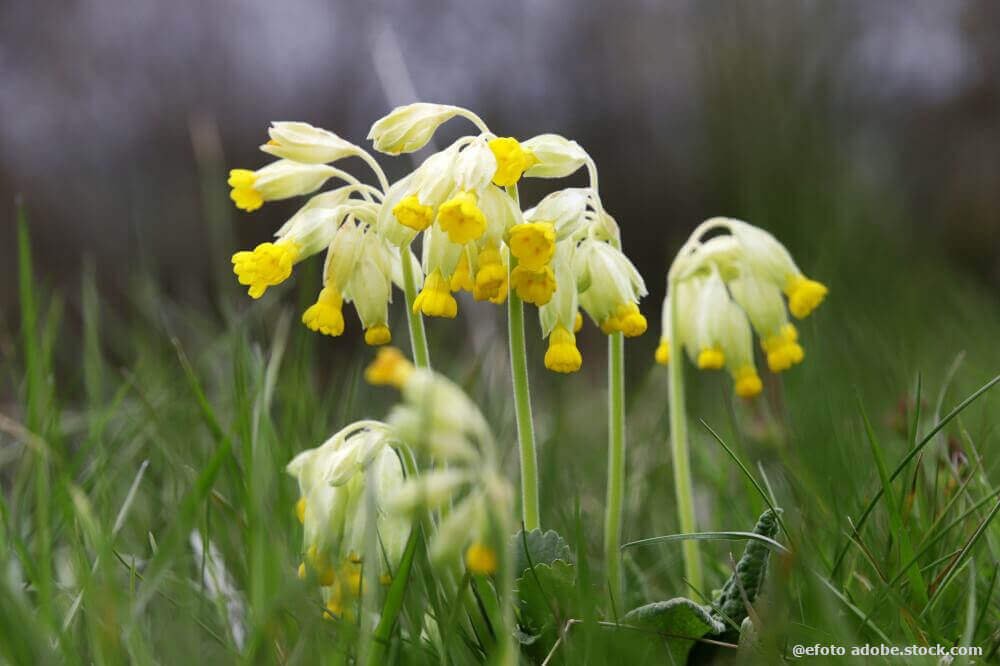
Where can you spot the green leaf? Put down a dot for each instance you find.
(538, 547)
(680, 623)
(749, 575)
(547, 595)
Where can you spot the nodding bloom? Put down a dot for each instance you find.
(335, 481)
(438, 419)
(513, 159)
(304, 143)
(278, 180)
(725, 288)
(610, 288)
(558, 319)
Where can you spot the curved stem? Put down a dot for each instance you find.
(522, 399)
(616, 466)
(418, 338)
(679, 448)
(370, 161)
(476, 120)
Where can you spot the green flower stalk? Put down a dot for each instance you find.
(719, 292)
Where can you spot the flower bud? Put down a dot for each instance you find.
(302, 142)
(557, 156)
(409, 128)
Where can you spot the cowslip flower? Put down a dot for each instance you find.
(436, 417)
(361, 264)
(304, 143)
(610, 288)
(729, 286)
(457, 191)
(333, 481)
(279, 180)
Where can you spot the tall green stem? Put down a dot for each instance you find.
(522, 409)
(679, 449)
(616, 466)
(522, 399)
(418, 338)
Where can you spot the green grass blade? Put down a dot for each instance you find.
(966, 549)
(750, 477)
(926, 439)
(917, 582)
(709, 536)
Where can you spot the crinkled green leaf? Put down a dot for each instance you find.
(538, 547)
(547, 595)
(680, 622)
(749, 575)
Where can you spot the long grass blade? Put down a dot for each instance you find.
(709, 536)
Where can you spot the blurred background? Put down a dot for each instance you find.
(870, 122)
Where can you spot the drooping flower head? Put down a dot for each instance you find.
(565, 251)
(461, 204)
(344, 485)
(723, 289)
(360, 266)
(437, 418)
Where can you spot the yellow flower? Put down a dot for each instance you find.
(501, 296)
(378, 334)
(512, 160)
(267, 265)
(435, 299)
(627, 320)
(243, 194)
(411, 213)
(711, 358)
(577, 322)
(300, 509)
(461, 218)
(278, 180)
(663, 352)
(804, 295)
(325, 315)
(562, 354)
(747, 383)
(481, 560)
(390, 368)
(461, 279)
(783, 350)
(491, 276)
(324, 571)
(533, 243)
(533, 286)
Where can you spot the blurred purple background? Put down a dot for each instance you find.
(817, 120)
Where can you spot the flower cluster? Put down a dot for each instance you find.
(561, 255)
(723, 288)
(438, 419)
(360, 267)
(336, 480)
